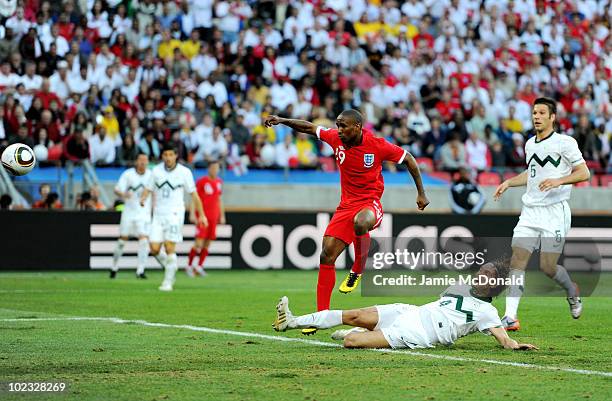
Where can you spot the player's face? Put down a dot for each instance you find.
(488, 270)
(141, 163)
(213, 170)
(348, 130)
(169, 157)
(542, 118)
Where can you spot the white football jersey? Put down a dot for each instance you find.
(169, 188)
(134, 183)
(553, 157)
(456, 314)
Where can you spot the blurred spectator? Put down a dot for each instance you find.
(499, 157)
(287, 153)
(517, 151)
(127, 153)
(477, 153)
(150, 146)
(307, 153)
(101, 148)
(43, 191)
(588, 142)
(418, 120)
(22, 137)
(253, 150)
(111, 125)
(214, 148)
(76, 147)
(452, 154)
(465, 196)
(6, 202)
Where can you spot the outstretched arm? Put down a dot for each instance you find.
(502, 338)
(413, 168)
(516, 181)
(298, 125)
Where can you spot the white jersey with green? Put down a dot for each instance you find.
(552, 157)
(456, 314)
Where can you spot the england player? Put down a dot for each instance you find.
(135, 218)
(210, 188)
(461, 310)
(359, 156)
(554, 163)
(168, 182)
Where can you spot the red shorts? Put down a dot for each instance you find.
(208, 232)
(342, 224)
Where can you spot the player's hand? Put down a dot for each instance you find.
(127, 195)
(271, 120)
(222, 219)
(203, 221)
(142, 202)
(549, 184)
(192, 219)
(500, 190)
(524, 347)
(422, 201)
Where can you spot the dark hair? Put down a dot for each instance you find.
(550, 103)
(5, 201)
(354, 114)
(51, 199)
(502, 270)
(169, 146)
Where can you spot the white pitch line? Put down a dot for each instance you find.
(314, 342)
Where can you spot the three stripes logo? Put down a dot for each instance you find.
(547, 159)
(103, 239)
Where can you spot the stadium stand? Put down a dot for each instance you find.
(104, 80)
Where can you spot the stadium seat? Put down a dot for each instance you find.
(605, 180)
(489, 179)
(441, 175)
(583, 184)
(327, 163)
(425, 163)
(509, 174)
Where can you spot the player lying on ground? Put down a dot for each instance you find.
(359, 155)
(461, 310)
(209, 190)
(554, 163)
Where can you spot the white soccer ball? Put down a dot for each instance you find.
(268, 155)
(18, 159)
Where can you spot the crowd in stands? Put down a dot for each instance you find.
(452, 81)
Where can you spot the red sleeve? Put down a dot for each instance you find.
(391, 152)
(327, 134)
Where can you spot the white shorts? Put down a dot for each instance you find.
(134, 225)
(167, 227)
(543, 227)
(401, 325)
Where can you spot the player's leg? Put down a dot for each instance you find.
(325, 319)
(331, 249)
(363, 222)
(196, 249)
(143, 255)
(155, 241)
(117, 255)
(366, 339)
(203, 254)
(518, 264)
(548, 264)
(171, 266)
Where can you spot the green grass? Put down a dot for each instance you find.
(107, 361)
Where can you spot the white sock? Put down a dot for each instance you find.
(321, 320)
(563, 279)
(171, 267)
(513, 296)
(117, 253)
(143, 254)
(162, 258)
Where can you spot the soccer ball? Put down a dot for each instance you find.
(18, 159)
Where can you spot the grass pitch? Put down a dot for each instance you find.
(104, 360)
